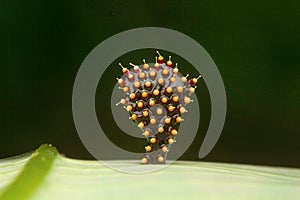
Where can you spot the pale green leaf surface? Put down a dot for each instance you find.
(76, 179)
(10, 168)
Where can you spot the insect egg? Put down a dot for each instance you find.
(164, 100)
(178, 119)
(174, 98)
(187, 100)
(145, 94)
(125, 89)
(142, 75)
(167, 120)
(140, 104)
(160, 159)
(179, 89)
(141, 125)
(146, 133)
(153, 120)
(160, 58)
(124, 69)
(122, 101)
(148, 148)
(145, 66)
(159, 111)
(121, 81)
(172, 79)
(175, 70)
(160, 129)
(130, 76)
(148, 84)
(151, 102)
(137, 84)
(191, 90)
(152, 74)
(156, 92)
(184, 79)
(194, 81)
(145, 113)
(134, 116)
(156, 65)
(170, 141)
(164, 149)
(171, 108)
(169, 63)
(144, 160)
(129, 108)
(173, 132)
(132, 96)
(182, 109)
(161, 81)
(168, 90)
(153, 140)
(136, 68)
(165, 72)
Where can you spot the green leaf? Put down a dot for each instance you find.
(32, 174)
(44, 174)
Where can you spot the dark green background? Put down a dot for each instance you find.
(255, 44)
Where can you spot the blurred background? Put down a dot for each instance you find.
(255, 44)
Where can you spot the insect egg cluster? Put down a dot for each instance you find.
(156, 96)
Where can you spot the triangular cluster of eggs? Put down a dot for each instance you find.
(156, 97)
